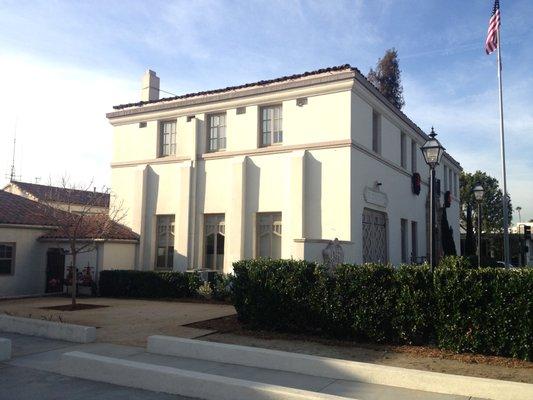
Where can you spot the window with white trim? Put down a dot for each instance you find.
(215, 235)
(414, 154)
(403, 150)
(269, 233)
(376, 132)
(165, 242)
(403, 233)
(414, 241)
(271, 125)
(167, 138)
(7, 258)
(216, 128)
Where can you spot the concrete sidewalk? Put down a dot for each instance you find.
(31, 353)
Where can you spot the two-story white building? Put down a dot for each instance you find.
(275, 168)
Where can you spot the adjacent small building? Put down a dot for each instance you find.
(34, 252)
(276, 168)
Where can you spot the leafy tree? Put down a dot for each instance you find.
(491, 207)
(386, 77)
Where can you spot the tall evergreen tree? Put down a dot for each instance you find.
(386, 77)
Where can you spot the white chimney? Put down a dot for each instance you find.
(150, 86)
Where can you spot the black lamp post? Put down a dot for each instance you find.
(432, 151)
(478, 194)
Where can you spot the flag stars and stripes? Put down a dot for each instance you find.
(491, 43)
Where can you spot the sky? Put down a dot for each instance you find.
(64, 64)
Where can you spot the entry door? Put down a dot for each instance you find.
(374, 236)
(55, 270)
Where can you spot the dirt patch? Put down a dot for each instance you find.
(229, 330)
(123, 321)
(76, 307)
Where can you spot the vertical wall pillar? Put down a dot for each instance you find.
(182, 242)
(235, 220)
(297, 219)
(138, 220)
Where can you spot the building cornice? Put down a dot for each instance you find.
(235, 94)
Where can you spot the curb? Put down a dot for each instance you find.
(341, 369)
(177, 381)
(48, 329)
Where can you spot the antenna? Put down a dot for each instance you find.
(12, 176)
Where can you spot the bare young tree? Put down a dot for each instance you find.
(83, 218)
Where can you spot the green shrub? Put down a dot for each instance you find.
(484, 310)
(413, 321)
(148, 284)
(220, 286)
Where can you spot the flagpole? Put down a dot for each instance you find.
(505, 203)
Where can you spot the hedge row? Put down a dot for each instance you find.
(485, 310)
(149, 284)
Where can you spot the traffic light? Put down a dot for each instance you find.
(527, 231)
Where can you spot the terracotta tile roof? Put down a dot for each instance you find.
(18, 210)
(91, 226)
(22, 211)
(345, 67)
(64, 195)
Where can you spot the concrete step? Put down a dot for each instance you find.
(213, 380)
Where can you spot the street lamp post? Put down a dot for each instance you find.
(432, 151)
(478, 194)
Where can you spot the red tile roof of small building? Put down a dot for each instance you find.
(64, 195)
(91, 227)
(18, 210)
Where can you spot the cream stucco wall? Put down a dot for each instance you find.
(29, 274)
(317, 178)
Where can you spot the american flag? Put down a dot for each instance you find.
(491, 43)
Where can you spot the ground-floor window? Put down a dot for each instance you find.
(165, 242)
(215, 235)
(404, 234)
(269, 231)
(7, 258)
(374, 236)
(414, 241)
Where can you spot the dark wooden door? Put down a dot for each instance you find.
(55, 270)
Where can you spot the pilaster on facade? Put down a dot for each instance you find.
(236, 211)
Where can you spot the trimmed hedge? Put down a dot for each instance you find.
(485, 310)
(149, 284)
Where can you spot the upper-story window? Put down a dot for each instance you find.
(376, 132)
(271, 125)
(445, 176)
(167, 138)
(216, 139)
(403, 150)
(414, 155)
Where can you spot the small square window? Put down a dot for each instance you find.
(7, 258)
(241, 110)
(142, 124)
